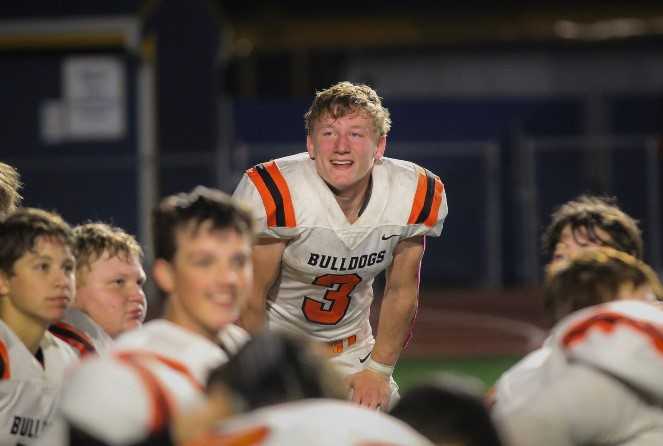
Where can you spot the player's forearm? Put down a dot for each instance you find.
(396, 314)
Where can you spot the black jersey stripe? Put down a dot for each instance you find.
(65, 334)
(274, 192)
(428, 201)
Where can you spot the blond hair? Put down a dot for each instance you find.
(94, 240)
(345, 98)
(593, 276)
(10, 184)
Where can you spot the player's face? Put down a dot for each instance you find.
(111, 293)
(209, 279)
(43, 283)
(572, 242)
(345, 150)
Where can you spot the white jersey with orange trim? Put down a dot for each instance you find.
(325, 288)
(82, 333)
(29, 391)
(317, 422)
(150, 372)
(607, 390)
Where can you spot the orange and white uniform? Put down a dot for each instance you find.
(150, 372)
(317, 422)
(605, 386)
(82, 333)
(325, 287)
(29, 390)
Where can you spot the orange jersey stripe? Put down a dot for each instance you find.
(419, 199)
(171, 363)
(160, 413)
(288, 207)
(4, 357)
(437, 201)
(267, 200)
(608, 322)
(254, 436)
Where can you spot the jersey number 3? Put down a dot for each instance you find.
(338, 293)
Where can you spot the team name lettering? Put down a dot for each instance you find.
(27, 427)
(344, 263)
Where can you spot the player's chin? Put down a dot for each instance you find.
(132, 324)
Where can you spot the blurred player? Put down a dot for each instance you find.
(606, 388)
(448, 410)
(109, 288)
(203, 265)
(590, 221)
(332, 219)
(9, 186)
(37, 282)
(593, 276)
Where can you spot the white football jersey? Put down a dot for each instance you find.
(605, 386)
(29, 392)
(318, 422)
(154, 370)
(325, 287)
(82, 333)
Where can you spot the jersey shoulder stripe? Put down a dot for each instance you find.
(427, 199)
(161, 404)
(173, 364)
(608, 322)
(5, 370)
(275, 194)
(72, 336)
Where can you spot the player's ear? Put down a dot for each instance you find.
(310, 147)
(4, 284)
(164, 276)
(380, 148)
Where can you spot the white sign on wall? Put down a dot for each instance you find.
(94, 97)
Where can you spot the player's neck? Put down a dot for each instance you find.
(353, 202)
(27, 329)
(174, 313)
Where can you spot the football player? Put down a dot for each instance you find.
(329, 221)
(109, 288)
(37, 283)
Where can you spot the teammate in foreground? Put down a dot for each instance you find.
(330, 220)
(592, 277)
(109, 288)
(37, 283)
(203, 265)
(606, 387)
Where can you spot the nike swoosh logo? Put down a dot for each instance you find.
(363, 360)
(387, 237)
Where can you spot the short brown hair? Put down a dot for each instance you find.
(592, 277)
(21, 229)
(10, 184)
(93, 240)
(197, 207)
(592, 212)
(346, 98)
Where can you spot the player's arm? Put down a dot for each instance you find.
(266, 258)
(399, 305)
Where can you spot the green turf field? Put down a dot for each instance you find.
(411, 371)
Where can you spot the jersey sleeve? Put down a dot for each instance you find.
(265, 191)
(428, 206)
(113, 421)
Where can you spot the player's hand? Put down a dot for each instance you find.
(370, 389)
